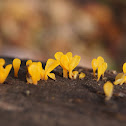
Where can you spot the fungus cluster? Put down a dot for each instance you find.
(68, 63)
(4, 71)
(121, 77)
(36, 72)
(99, 65)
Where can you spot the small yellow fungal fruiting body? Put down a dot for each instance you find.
(2, 62)
(82, 75)
(36, 72)
(108, 90)
(28, 77)
(121, 77)
(101, 70)
(100, 65)
(28, 62)
(97, 63)
(73, 63)
(120, 80)
(94, 64)
(4, 73)
(67, 62)
(64, 61)
(16, 66)
(33, 70)
(75, 74)
(50, 65)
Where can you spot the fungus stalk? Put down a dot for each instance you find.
(70, 74)
(16, 66)
(65, 74)
(94, 66)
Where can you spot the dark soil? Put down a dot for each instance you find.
(63, 102)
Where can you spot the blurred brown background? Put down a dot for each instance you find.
(36, 29)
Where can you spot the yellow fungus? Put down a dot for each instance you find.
(101, 70)
(104, 68)
(28, 77)
(75, 74)
(69, 55)
(33, 70)
(121, 77)
(1, 68)
(52, 76)
(50, 65)
(108, 90)
(124, 68)
(16, 66)
(2, 62)
(67, 62)
(100, 60)
(100, 65)
(39, 67)
(94, 65)
(58, 55)
(42, 74)
(123, 80)
(36, 72)
(4, 73)
(82, 75)
(28, 62)
(73, 63)
(64, 61)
